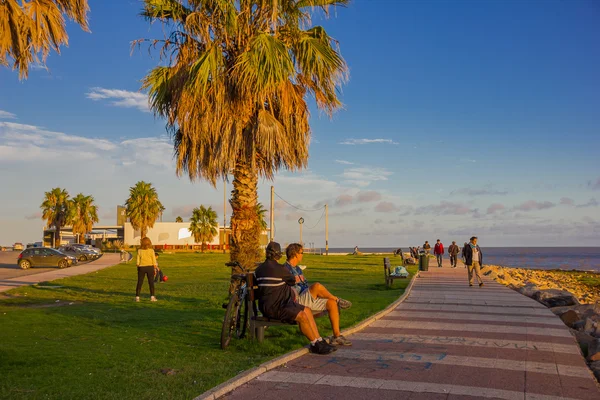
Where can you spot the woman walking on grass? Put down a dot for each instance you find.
(146, 262)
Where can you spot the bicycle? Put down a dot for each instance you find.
(236, 316)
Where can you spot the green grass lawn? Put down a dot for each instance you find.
(85, 338)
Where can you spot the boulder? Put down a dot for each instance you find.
(594, 350)
(570, 317)
(579, 325)
(555, 298)
(590, 326)
(529, 290)
(584, 340)
(595, 367)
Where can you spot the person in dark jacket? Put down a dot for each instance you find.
(277, 299)
(473, 260)
(453, 253)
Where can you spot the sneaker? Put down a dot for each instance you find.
(344, 304)
(481, 284)
(152, 298)
(137, 299)
(322, 347)
(339, 341)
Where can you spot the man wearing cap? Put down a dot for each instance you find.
(277, 299)
(473, 260)
(453, 253)
(316, 296)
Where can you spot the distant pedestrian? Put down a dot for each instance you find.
(356, 252)
(438, 250)
(427, 247)
(453, 253)
(146, 262)
(473, 260)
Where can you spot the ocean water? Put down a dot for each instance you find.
(580, 258)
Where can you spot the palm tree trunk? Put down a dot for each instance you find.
(245, 228)
(57, 240)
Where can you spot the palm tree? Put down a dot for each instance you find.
(143, 207)
(178, 219)
(233, 87)
(261, 211)
(203, 225)
(57, 211)
(84, 214)
(36, 27)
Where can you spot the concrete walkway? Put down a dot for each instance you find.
(106, 260)
(446, 341)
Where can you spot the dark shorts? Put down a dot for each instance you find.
(287, 313)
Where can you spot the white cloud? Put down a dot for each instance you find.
(7, 115)
(364, 176)
(120, 98)
(344, 162)
(367, 141)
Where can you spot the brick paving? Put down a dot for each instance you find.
(445, 341)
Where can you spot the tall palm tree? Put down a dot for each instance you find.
(143, 207)
(261, 211)
(178, 219)
(29, 29)
(57, 211)
(84, 214)
(203, 225)
(233, 87)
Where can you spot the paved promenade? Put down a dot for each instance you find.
(445, 341)
(107, 260)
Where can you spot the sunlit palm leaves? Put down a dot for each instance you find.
(143, 207)
(84, 214)
(56, 211)
(233, 86)
(203, 225)
(32, 28)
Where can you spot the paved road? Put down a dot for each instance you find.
(446, 341)
(12, 276)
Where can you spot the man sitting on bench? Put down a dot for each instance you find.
(277, 299)
(316, 296)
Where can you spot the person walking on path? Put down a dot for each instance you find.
(473, 260)
(146, 262)
(438, 250)
(427, 247)
(453, 253)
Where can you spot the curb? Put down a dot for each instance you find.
(244, 377)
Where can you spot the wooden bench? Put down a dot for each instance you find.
(387, 270)
(257, 322)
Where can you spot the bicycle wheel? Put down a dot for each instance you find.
(231, 319)
(242, 319)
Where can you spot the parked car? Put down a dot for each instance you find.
(81, 254)
(18, 246)
(44, 257)
(87, 247)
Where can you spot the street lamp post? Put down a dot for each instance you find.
(301, 221)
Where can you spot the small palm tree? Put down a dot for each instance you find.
(178, 219)
(84, 214)
(57, 211)
(233, 86)
(260, 210)
(36, 27)
(143, 207)
(203, 225)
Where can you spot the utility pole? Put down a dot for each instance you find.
(272, 216)
(326, 230)
(224, 213)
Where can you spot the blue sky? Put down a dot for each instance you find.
(460, 118)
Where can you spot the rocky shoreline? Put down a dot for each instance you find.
(572, 295)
